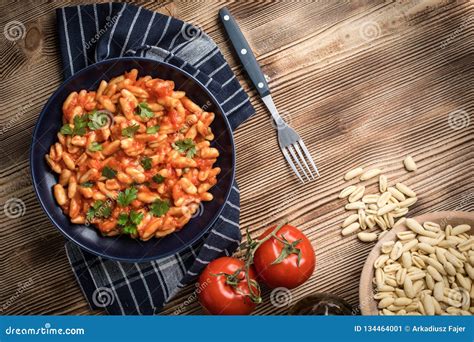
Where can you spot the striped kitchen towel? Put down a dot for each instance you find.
(91, 33)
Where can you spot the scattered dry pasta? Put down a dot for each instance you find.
(133, 157)
(374, 210)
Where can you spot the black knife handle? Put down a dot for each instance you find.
(244, 52)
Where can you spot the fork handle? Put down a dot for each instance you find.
(243, 50)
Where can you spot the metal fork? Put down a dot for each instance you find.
(291, 145)
(290, 141)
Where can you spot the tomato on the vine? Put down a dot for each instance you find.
(224, 289)
(285, 261)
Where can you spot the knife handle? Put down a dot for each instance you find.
(244, 52)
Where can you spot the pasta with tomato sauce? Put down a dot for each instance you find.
(133, 157)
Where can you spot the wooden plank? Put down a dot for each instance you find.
(364, 83)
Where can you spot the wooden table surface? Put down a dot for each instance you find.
(364, 83)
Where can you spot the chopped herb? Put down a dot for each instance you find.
(129, 222)
(80, 124)
(130, 130)
(136, 217)
(152, 129)
(99, 209)
(129, 229)
(95, 146)
(90, 214)
(158, 178)
(186, 146)
(126, 197)
(146, 163)
(87, 184)
(159, 207)
(144, 111)
(92, 210)
(109, 172)
(122, 219)
(98, 119)
(66, 130)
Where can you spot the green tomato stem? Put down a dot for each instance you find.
(252, 247)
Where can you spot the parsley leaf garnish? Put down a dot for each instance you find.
(186, 146)
(109, 172)
(66, 130)
(129, 222)
(130, 130)
(159, 207)
(136, 217)
(122, 219)
(144, 111)
(158, 178)
(95, 146)
(80, 124)
(146, 163)
(87, 184)
(129, 229)
(152, 129)
(99, 209)
(126, 197)
(98, 119)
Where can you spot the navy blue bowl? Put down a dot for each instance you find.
(123, 248)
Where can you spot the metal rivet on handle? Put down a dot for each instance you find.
(226, 17)
(260, 84)
(243, 51)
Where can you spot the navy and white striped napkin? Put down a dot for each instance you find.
(91, 33)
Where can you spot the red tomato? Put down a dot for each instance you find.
(288, 272)
(216, 292)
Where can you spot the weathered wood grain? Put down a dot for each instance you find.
(364, 83)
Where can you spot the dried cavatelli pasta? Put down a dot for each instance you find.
(413, 277)
(377, 210)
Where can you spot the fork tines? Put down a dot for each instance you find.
(301, 155)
